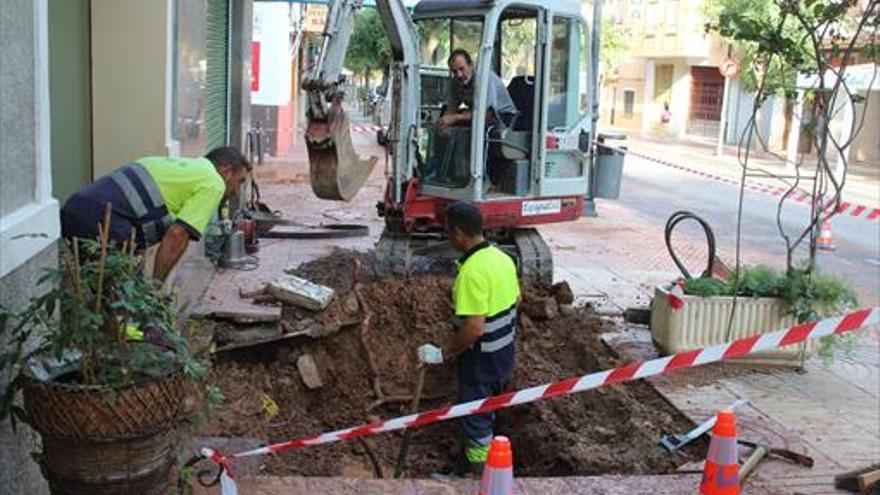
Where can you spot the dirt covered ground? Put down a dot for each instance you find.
(609, 430)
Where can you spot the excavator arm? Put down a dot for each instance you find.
(336, 171)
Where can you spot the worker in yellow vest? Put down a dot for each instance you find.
(165, 201)
(485, 296)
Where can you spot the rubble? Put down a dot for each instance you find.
(368, 366)
(308, 372)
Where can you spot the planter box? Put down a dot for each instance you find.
(702, 321)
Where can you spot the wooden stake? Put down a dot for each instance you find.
(105, 235)
(77, 279)
(133, 242)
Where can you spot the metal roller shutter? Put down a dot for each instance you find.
(217, 75)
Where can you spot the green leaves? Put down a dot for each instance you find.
(369, 48)
(808, 295)
(65, 321)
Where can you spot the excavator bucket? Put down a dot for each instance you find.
(335, 170)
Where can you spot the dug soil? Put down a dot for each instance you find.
(609, 430)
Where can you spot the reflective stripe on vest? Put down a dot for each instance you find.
(128, 190)
(497, 345)
(151, 229)
(499, 322)
(492, 324)
(148, 183)
(501, 325)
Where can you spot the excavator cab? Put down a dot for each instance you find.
(539, 52)
(524, 163)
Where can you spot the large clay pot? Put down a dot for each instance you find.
(106, 440)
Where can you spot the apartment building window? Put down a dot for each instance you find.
(663, 83)
(629, 102)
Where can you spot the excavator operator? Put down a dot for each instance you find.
(485, 296)
(461, 91)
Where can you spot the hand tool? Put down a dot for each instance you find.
(760, 451)
(674, 442)
(407, 435)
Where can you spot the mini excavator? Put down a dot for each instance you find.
(521, 170)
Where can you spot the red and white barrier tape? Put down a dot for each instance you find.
(799, 195)
(366, 128)
(633, 371)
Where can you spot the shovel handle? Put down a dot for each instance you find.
(407, 435)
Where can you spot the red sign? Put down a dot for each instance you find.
(255, 65)
(729, 67)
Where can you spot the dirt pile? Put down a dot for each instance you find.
(611, 430)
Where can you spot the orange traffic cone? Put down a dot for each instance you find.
(721, 474)
(498, 472)
(826, 238)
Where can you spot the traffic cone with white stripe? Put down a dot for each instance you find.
(498, 473)
(721, 472)
(825, 241)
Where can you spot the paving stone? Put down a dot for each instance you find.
(308, 371)
(680, 484)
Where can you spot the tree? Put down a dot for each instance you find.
(776, 39)
(818, 38)
(614, 41)
(369, 49)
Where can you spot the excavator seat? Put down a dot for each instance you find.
(514, 141)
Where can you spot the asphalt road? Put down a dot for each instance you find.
(653, 192)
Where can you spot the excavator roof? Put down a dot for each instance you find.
(435, 6)
(431, 8)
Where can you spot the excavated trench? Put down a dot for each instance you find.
(368, 370)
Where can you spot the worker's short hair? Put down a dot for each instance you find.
(228, 156)
(459, 52)
(465, 217)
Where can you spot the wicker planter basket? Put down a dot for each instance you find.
(107, 441)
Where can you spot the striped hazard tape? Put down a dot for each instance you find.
(799, 195)
(366, 128)
(633, 371)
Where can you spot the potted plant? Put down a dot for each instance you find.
(102, 370)
(764, 301)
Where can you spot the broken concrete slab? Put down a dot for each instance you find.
(237, 334)
(291, 289)
(308, 372)
(249, 316)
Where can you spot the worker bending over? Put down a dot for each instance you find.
(163, 200)
(485, 297)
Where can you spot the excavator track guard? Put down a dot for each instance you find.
(336, 172)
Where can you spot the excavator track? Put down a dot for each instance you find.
(335, 170)
(534, 257)
(403, 255)
(393, 254)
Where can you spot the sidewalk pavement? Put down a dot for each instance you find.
(862, 181)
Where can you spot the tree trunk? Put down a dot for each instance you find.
(786, 129)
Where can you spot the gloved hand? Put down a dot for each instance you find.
(430, 354)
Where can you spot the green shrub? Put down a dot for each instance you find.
(807, 295)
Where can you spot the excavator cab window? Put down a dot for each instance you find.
(444, 156)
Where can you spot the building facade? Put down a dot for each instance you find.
(669, 66)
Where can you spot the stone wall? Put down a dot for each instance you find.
(20, 475)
